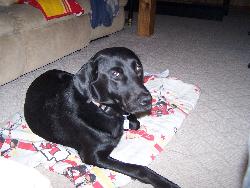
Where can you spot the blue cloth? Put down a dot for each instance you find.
(103, 12)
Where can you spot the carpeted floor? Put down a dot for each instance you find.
(210, 149)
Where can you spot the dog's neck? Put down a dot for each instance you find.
(104, 108)
(109, 110)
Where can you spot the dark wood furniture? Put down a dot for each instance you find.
(188, 8)
(146, 17)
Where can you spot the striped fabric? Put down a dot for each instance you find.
(55, 8)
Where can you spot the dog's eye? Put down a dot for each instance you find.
(138, 69)
(115, 74)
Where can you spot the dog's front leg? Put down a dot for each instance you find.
(142, 173)
(134, 124)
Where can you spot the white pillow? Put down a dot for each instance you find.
(14, 174)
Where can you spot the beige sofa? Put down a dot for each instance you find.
(28, 41)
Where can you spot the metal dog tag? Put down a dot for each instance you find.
(126, 122)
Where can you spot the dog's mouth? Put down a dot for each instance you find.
(138, 106)
(140, 109)
(134, 107)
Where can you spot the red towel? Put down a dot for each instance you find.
(55, 8)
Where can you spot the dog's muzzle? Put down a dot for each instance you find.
(140, 103)
(145, 100)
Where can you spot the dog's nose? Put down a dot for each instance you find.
(145, 99)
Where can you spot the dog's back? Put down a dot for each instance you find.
(86, 111)
(44, 97)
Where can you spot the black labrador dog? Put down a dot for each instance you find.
(86, 110)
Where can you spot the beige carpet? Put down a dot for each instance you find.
(210, 149)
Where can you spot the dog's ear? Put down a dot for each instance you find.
(89, 83)
(84, 76)
(98, 85)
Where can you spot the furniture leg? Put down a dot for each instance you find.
(146, 17)
(130, 11)
(226, 6)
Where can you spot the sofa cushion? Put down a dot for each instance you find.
(7, 24)
(123, 3)
(86, 4)
(29, 17)
(7, 2)
(12, 57)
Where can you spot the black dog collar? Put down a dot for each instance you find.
(110, 111)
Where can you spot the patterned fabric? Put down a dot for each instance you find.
(55, 8)
(172, 102)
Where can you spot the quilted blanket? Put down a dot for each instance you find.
(172, 101)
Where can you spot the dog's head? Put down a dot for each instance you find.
(115, 77)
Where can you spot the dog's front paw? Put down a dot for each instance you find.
(134, 124)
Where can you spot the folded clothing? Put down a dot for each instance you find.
(103, 12)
